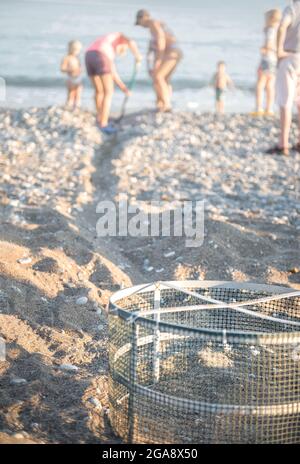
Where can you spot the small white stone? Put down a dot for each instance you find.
(24, 260)
(15, 203)
(170, 254)
(149, 269)
(18, 381)
(82, 301)
(68, 367)
(16, 289)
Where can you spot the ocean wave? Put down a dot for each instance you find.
(55, 82)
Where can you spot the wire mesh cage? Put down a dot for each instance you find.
(205, 362)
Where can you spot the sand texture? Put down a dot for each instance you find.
(56, 275)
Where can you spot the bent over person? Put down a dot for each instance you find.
(100, 66)
(166, 53)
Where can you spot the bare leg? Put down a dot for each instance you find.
(168, 79)
(78, 96)
(159, 102)
(162, 90)
(260, 87)
(108, 87)
(72, 98)
(285, 126)
(270, 93)
(298, 105)
(98, 101)
(162, 77)
(69, 101)
(68, 98)
(99, 94)
(298, 108)
(220, 106)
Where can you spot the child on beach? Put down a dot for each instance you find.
(72, 67)
(221, 82)
(268, 65)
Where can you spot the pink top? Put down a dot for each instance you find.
(107, 44)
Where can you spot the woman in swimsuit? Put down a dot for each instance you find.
(163, 46)
(267, 69)
(99, 60)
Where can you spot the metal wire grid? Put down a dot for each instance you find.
(204, 376)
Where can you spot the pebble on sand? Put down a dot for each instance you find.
(18, 381)
(24, 260)
(69, 367)
(82, 301)
(170, 254)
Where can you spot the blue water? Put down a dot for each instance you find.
(34, 35)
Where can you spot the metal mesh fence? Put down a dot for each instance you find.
(205, 362)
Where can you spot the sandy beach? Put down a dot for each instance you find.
(56, 275)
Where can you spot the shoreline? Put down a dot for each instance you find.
(136, 111)
(201, 98)
(56, 276)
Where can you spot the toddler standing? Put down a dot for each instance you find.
(221, 81)
(72, 67)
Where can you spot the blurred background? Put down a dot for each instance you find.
(34, 36)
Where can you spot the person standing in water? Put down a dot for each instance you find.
(72, 67)
(221, 81)
(100, 66)
(268, 66)
(164, 47)
(287, 83)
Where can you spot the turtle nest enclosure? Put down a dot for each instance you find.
(205, 362)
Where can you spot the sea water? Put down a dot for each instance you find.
(34, 36)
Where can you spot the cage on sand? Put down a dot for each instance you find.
(205, 362)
